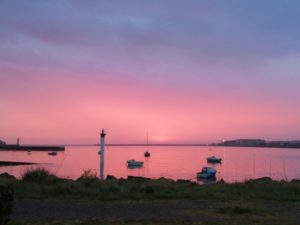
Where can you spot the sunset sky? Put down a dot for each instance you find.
(183, 71)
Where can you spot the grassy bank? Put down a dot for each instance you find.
(261, 201)
(43, 185)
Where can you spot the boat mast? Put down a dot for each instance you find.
(102, 145)
(147, 142)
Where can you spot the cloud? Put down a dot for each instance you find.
(241, 30)
(196, 43)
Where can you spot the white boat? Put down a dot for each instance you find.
(133, 163)
(214, 159)
(207, 172)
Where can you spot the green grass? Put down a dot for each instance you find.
(42, 185)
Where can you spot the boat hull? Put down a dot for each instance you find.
(214, 160)
(207, 173)
(206, 176)
(134, 164)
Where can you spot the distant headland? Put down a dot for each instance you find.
(230, 143)
(18, 147)
(258, 143)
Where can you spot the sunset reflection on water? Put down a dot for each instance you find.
(175, 162)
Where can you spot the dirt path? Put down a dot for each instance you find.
(125, 210)
(159, 210)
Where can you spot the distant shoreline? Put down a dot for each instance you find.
(31, 148)
(145, 145)
(62, 148)
(195, 145)
(12, 163)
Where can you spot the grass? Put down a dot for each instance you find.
(38, 175)
(41, 184)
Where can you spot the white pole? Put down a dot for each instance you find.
(102, 145)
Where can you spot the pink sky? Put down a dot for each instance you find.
(182, 77)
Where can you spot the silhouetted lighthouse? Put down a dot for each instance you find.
(102, 145)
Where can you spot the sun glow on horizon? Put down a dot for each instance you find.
(224, 73)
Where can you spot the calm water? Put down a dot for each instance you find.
(170, 162)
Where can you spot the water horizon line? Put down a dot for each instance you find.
(140, 144)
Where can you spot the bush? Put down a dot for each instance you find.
(39, 175)
(88, 177)
(7, 176)
(6, 203)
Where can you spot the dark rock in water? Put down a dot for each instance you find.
(296, 181)
(110, 177)
(262, 179)
(134, 178)
(163, 179)
(7, 176)
(182, 181)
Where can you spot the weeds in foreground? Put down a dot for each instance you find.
(37, 175)
(88, 177)
(40, 183)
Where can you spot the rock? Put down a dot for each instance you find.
(7, 176)
(296, 181)
(134, 178)
(262, 179)
(110, 177)
(182, 181)
(163, 179)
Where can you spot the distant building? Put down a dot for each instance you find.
(2, 142)
(245, 142)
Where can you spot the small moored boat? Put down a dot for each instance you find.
(133, 163)
(52, 153)
(147, 154)
(214, 159)
(207, 173)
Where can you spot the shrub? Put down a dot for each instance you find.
(7, 176)
(6, 203)
(38, 175)
(88, 177)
